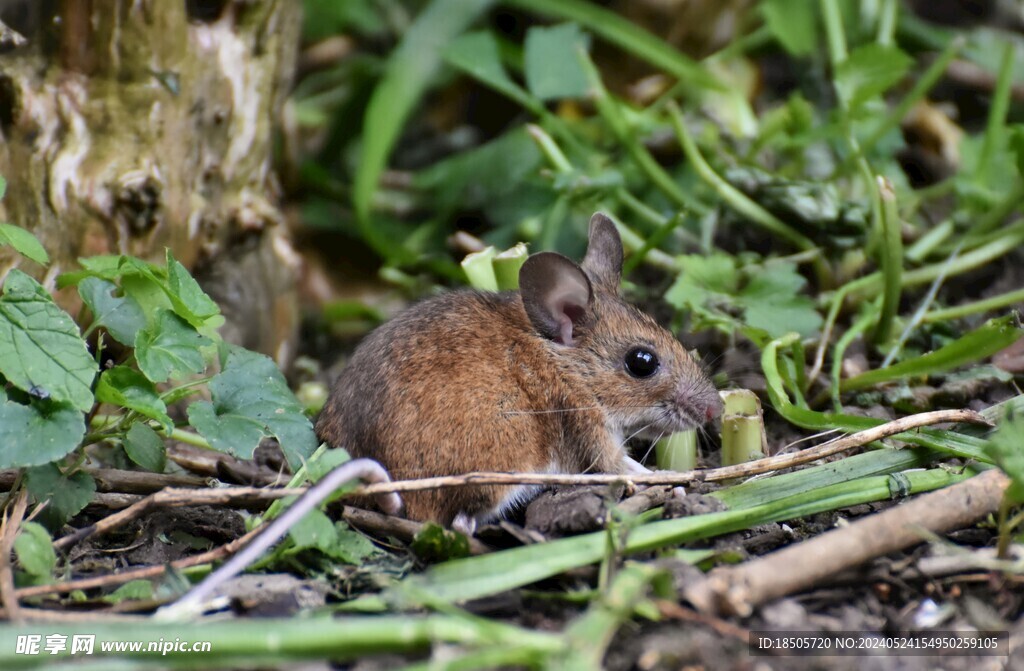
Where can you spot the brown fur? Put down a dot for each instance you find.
(469, 381)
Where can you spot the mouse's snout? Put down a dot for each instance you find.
(702, 401)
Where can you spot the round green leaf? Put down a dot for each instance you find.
(145, 447)
(35, 550)
(41, 350)
(36, 434)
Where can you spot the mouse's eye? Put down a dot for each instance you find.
(641, 362)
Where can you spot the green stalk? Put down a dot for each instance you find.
(732, 196)
(967, 309)
(743, 435)
(891, 253)
(887, 23)
(948, 442)
(609, 111)
(996, 115)
(244, 643)
(651, 244)
(859, 327)
(926, 244)
(506, 267)
(917, 92)
(476, 577)
(625, 34)
(993, 336)
(588, 636)
(479, 269)
(834, 32)
(554, 154)
(870, 285)
(677, 452)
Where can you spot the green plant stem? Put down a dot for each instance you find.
(869, 285)
(927, 243)
(995, 215)
(732, 196)
(978, 344)
(887, 22)
(834, 32)
(977, 307)
(476, 577)
(997, 110)
(189, 438)
(919, 313)
(862, 324)
(588, 636)
(234, 642)
(609, 111)
(917, 92)
(947, 442)
(651, 243)
(891, 253)
(625, 34)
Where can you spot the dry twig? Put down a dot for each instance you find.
(8, 530)
(738, 589)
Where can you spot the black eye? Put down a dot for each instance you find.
(641, 362)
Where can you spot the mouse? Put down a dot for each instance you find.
(553, 378)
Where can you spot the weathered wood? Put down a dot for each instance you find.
(128, 127)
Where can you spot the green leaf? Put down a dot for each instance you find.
(433, 544)
(703, 278)
(145, 447)
(793, 23)
(551, 62)
(869, 71)
(23, 242)
(131, 389)
(984, 341)
(189, 299)
(412, 67)
(67, 495)
(336, 540)
(1006, 447)
(35, 550)
(170, 348)
(41, 350)
(38, 433)
(350, 546)
(771, 302)
(765, 296)
(121, 316)
(134, 590)
(478, 55)
(251, 401)
(314, 530)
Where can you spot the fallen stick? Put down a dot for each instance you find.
(172, 497)
(737, 590)
(8, 530)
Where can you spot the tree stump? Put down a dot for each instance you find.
(129, 126)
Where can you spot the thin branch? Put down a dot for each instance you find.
(739, 589)
(8, 530)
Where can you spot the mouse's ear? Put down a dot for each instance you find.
(603, 261)
(556, 294)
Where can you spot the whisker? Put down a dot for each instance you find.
(635, 434)
(807, 438)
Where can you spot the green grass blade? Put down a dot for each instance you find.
(410, 69)
(993, 336)
(627, 35)
(950, 442)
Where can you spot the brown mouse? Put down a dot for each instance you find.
(553, 378)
